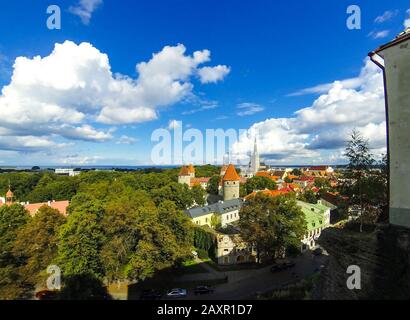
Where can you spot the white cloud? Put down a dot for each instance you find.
(204, 106)
(323, 88)
(124, 139)
(379, 34)
(318, 133)
(64, 93)
(174, 124)
(213, 74)
(407, 21)
(84, 9)
(386, 16)
(77, 159)
(248, 109)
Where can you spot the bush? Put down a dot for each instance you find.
(202, 254)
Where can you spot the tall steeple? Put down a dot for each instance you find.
(255, 161)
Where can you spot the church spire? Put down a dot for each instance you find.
(255, 161)
(9, 195)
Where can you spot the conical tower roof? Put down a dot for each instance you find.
(231, 174)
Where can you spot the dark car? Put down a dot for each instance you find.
(150, 295)
(47, 295)
(203, 290)
(282, 266)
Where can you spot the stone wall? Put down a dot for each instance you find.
(383, 257)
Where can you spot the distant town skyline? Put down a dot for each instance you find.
(93, 92)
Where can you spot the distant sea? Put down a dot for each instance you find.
(101, 167)
(141, 167)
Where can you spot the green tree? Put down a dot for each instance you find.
(12, 218)
(259, 183)
(198, 195)
(308, 196)
(271, 224)
(80, 242)
(322, 183)
(175, 192)
(36, 245)
(213, 185)
(297, 172)
(357, 174)
(216, 221)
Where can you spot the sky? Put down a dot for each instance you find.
(95, 91)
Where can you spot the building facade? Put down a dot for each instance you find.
(318, 218)
(394, 59)
(227, 212)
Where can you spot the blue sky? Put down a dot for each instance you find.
(267, 51)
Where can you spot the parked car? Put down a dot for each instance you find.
(150, 295)
(282, 266)
(46, 295)
(203, 290)
(177, 293)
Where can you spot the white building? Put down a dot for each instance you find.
(67, 172)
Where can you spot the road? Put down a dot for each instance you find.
(244, 284)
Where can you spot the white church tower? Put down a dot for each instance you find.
(255, 161)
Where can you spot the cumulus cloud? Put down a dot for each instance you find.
(386, 16)
(84, 9)
(66, 93)
(321, 130)
(407, 21)
(213, 74)
(248, 109)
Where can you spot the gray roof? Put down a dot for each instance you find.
(220, 208)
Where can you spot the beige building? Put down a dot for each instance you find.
(227, 212)
(394, 59)
(230, 249)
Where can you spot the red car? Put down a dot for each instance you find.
(46, 295)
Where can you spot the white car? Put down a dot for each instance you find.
(177, 293)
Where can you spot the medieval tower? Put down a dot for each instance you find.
(230, 183)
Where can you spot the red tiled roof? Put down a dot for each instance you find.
(231, 174)
(191, 169)
(272, 193)
(9, 194)
(61, 206)
(304, 178)
(315, 189)
(184, 171)
(319, 168)
(198, 181)
(267, 174)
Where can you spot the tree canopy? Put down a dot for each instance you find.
(272, 224)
